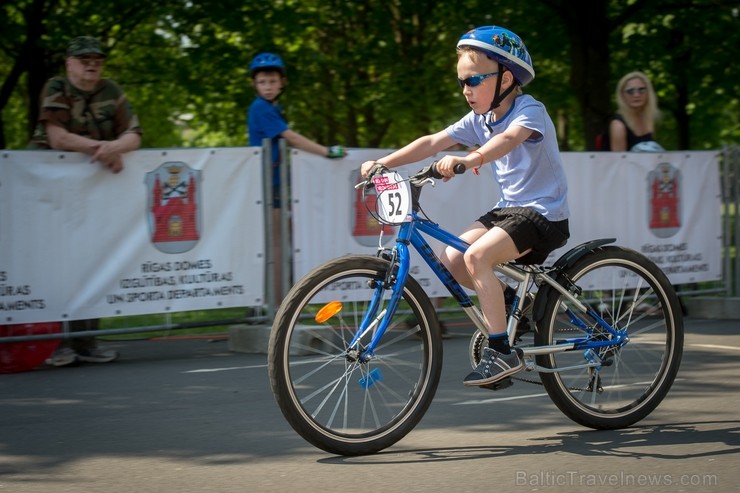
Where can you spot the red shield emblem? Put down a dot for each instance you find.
(664, 189)
(174, 207)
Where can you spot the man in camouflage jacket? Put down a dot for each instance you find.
(85, 113)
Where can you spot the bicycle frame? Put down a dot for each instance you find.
(411, 232)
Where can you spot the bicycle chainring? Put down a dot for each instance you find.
(477, 343)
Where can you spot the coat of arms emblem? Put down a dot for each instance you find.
(664, 187)
(174, 207)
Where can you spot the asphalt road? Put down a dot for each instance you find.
(191, 416)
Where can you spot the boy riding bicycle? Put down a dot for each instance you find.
(515, 133)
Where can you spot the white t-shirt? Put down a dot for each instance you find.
(532, 174)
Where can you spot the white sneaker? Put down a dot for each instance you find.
(62, 357)
(97, 355)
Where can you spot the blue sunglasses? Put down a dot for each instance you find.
(474, 80)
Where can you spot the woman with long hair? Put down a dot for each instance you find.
(636, 116)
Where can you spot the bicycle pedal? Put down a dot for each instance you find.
(500, 385)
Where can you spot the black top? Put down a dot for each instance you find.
(632, 139)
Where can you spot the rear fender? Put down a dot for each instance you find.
(563, 263)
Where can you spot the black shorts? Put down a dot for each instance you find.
(529, 229)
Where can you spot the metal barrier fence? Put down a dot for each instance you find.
(730, 175)
(728, 286)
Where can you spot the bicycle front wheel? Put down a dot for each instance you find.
(631, 294)
(337, 401)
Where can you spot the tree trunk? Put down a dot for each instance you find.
(29, 54)
(588, 26)
(681, 77)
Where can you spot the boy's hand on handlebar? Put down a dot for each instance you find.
(450, 166)
(368, 168)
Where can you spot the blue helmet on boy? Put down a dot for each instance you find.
(504, 47)
(266, 61)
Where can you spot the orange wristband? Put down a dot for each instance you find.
(475, 170)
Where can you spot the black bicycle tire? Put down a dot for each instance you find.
(279, 361)
(558, 391)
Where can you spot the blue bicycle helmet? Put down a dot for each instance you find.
(266, 61)
(504, 47)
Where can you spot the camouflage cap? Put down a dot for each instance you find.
(82, 45)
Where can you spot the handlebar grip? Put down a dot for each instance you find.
(458, 169)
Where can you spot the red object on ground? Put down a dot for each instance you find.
(27, 355)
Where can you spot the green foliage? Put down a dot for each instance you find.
(686, 51)
(375, 73)
(177, 324)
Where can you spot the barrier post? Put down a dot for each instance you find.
(286, 244)
(730, 167)
(733, 156)
(269, 256)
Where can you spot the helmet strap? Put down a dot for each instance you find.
(499, 96)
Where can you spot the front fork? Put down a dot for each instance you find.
(375, 319)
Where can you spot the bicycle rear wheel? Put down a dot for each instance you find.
(631, 294)
(332, 398)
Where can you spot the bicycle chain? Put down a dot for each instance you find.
(539, 382)
(527, 380)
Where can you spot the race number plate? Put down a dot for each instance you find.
(394, 197)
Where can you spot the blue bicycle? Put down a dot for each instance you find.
(355, 351)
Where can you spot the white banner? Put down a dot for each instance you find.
(665, 205)
(183, 229)
(174, 231)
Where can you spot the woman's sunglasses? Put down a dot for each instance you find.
(474, 80)
(636, 90)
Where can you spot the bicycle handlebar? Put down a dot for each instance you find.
(427, 172)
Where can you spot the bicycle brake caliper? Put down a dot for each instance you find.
(390, 276)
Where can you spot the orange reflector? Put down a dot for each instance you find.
(327, 311)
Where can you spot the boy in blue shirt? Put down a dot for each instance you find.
(265, 121)
(514, 132)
